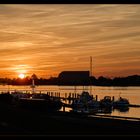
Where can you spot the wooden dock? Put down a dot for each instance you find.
(68, 97)
(116, 117)
(134, 105)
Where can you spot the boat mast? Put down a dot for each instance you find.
(90, 74)
(90, 66)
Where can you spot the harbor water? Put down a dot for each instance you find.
(130, 93)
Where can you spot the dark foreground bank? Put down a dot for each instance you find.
(27, 122)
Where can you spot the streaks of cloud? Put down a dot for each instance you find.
(53, 38)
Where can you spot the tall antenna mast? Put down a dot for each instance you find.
(90, 74)
(90, 66)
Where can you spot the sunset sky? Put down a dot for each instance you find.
(49, 38)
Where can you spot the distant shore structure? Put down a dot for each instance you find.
(90, 74)
(74, 77)
(90, 66)
(33, 83)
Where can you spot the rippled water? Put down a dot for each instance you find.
(131, 93)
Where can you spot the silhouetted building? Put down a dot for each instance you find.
(73, 78)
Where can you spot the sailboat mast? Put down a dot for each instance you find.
(90, 66)
(90, 74)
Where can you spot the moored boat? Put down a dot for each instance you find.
(121, 102)
(85, 104)
(106, 102)
(36, 102)
(40, 104)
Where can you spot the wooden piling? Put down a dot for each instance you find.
(65, 95)
(113, 98)
(75, 96)
(63, 108)
(69, 98)
(96, 97)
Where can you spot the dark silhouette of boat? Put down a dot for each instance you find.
(37, 104)
(121, 103)
(121, 109)
(85, 104)
(40, 102)
(106, 102)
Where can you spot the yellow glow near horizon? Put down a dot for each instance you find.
(21, 75)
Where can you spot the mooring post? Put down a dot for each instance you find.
(69, 98)
(65, 95)
(113, 98)
(96, 97)
(63, 108)
(75, 96)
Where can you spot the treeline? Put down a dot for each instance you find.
(28, 81)
(133, 80)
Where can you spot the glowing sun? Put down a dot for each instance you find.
(21, 75)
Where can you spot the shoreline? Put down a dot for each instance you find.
(28, 122)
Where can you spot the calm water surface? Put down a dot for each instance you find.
(131, 93)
